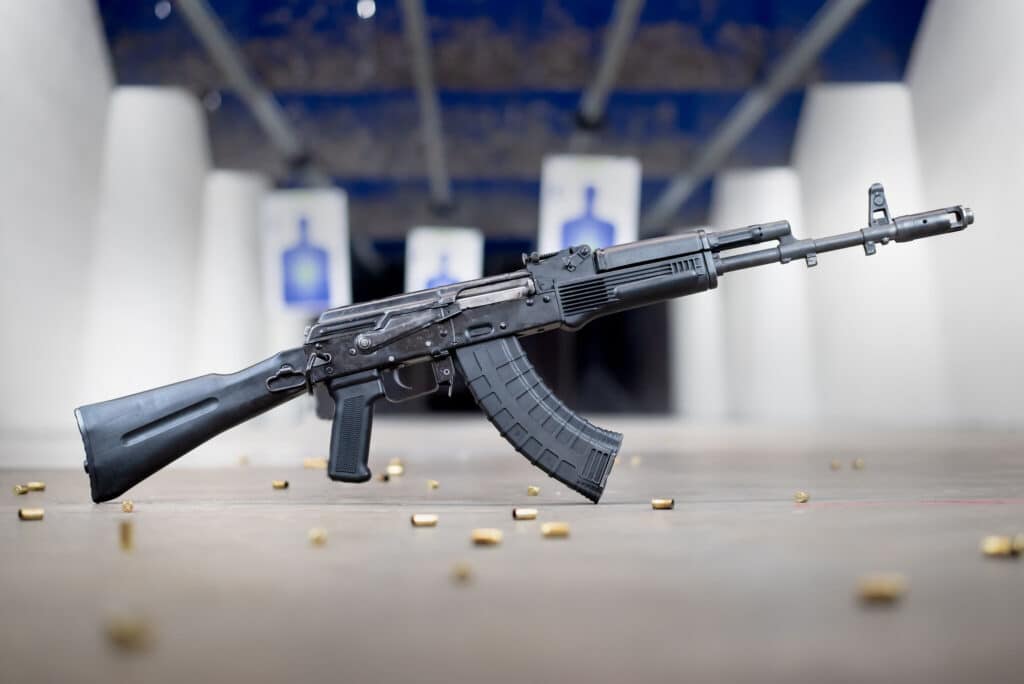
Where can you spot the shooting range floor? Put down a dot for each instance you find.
(738, 583)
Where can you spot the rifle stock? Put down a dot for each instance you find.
(128, 439)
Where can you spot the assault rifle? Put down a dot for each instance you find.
(361, 352)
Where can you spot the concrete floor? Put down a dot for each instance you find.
(737, 583)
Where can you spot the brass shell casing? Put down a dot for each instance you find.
(424, 520)
(998, 546)
(127, 535)
(486, 536)
(882, 587)
(555, 530)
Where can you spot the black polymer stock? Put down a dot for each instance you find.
(472, 328)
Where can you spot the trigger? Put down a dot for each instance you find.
(407, 382)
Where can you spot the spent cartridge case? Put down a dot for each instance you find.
(127, 535)
(555, 530)
(424, 520)
(486, 536)
(886, 587)
(129, 633)
(998, 546)
(462, 573)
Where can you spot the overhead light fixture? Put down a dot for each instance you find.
(162, 9)
(366, 9)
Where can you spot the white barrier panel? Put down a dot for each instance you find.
(142, 314)
(767, 309)
(587, 199)
(699, 387)
(876, 318)
(56, 83)
(230, 329)
(306, 266)
(436, 256)
(972, 153)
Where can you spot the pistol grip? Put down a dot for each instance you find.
(353, 421)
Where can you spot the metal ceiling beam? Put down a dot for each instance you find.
(415, 28)
(593, 102)
(823, 28)
(226, 54)
(620, 32)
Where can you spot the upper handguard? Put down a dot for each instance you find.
(533, 420)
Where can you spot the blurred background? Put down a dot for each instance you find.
(184, 184)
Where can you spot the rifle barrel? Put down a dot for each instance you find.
(901, 229)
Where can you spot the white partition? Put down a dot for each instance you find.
(56, 83)
(142, 313)
(965, 79)
(877, 333)
(699, 388)
(767, 309)
(230, 329)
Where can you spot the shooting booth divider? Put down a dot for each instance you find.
(230, 314)
(56, 93)
(971, 52)
(881, 355)
(767, 310)
(142, 314)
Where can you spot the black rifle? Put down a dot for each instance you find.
(471, 328)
